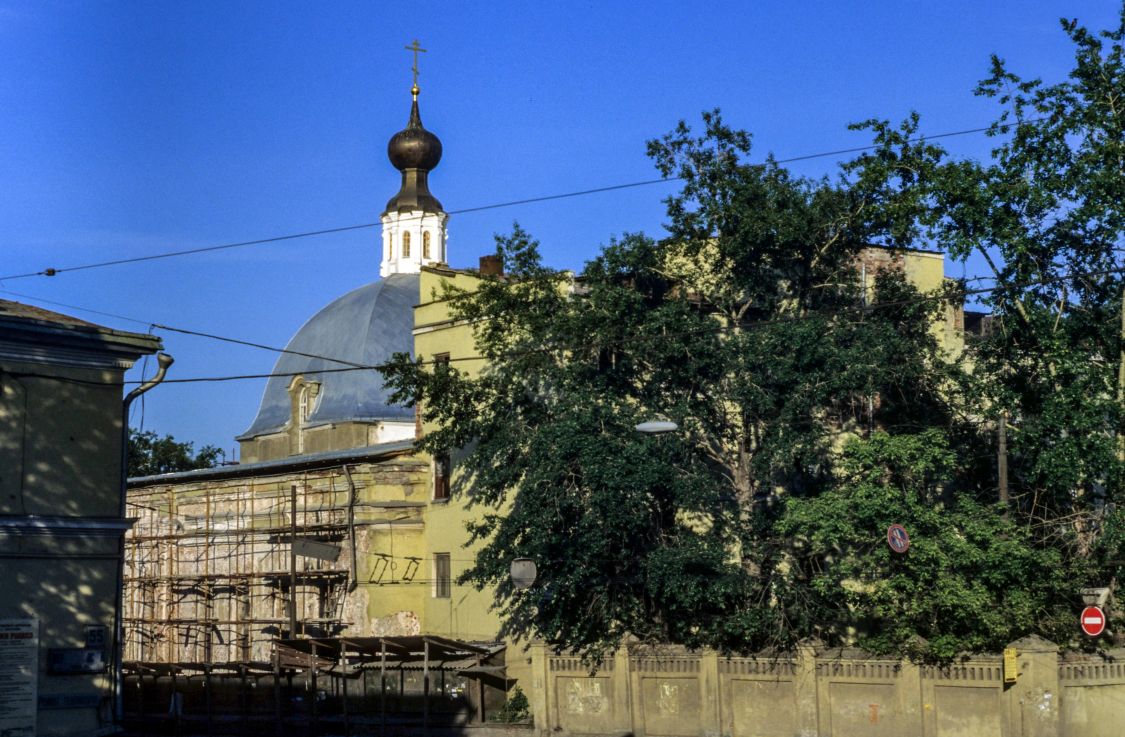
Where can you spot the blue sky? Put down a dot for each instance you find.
(132, 128)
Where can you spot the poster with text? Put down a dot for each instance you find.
(19, 676)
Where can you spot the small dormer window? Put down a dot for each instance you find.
(302, 399)
(406, 244)
(305, 403)
(426, 244)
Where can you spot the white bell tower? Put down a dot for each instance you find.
(411, 240)
(414, 232)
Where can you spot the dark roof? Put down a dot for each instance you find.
(34, 329)
(30, 312)
(306, 461)
(364, 327)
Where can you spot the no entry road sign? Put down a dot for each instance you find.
(897, 538)
(1093, 621)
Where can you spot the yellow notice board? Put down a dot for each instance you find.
(1010, 665)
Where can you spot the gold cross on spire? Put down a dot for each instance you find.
(415, 47)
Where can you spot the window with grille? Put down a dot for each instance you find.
(426, 244)
(406, 244)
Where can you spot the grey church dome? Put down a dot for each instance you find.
(365, 326)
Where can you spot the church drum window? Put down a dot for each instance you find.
(426, 244)
(305, 403)
(406, 244)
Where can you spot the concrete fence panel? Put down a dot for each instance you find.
(670, 692)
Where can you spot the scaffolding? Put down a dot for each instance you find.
(212, 574)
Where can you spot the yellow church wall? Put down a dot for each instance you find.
(466, 613)
(925, 270)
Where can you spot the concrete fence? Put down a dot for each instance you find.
(824, 693)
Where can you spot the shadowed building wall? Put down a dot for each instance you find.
(60, 509)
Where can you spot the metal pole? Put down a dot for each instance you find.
(1002, 462)
(293, 562)
(426, 684)
(163, 361)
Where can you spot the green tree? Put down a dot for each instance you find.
(1047, 214)
(150, 454)
(746, 327)
(812, 415)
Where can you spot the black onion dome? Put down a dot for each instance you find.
(414, 151)
(414, 147)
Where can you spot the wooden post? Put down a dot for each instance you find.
(315, 692)
(382, 687)
(207, 698)
(175, 705)
(277, 692)
(344, 686)
(141, 695)
(242, 694)
(480, 694)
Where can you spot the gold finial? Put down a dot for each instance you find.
(415, 47)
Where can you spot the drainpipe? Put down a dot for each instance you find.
(163, 361)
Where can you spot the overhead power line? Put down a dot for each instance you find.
(54, 271)
(718, 328)
(150, 325)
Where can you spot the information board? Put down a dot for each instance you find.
(19, 676)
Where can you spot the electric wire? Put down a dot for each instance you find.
(54, 271)
(353, 366)
(186, 331)
(718, 328)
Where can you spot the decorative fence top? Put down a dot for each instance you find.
(1102, 672)
(758, 666)
(880, 669)
(988, 672)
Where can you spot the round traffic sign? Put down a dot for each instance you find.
(1092, 621)
(897, 538)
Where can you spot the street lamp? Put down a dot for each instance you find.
(523, 572)
(657, 427)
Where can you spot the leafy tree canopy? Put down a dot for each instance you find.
(814, 410)
(150, 454)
